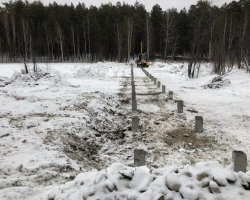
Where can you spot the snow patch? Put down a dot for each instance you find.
(32, 99)
(111, 184)
(91, 71)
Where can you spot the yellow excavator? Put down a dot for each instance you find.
(140, 62)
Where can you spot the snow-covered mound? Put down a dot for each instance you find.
(4, 81)
(32, 99)
(52, 78)
(217, 82)
(98, 70)
(207, 180)
(204, 70)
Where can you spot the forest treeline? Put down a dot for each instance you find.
(68, 33)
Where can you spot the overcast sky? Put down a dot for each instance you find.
(165, 4)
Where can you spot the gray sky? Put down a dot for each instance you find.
(165, 4)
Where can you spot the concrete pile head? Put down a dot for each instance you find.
(139, 157)
(198, 124)
(135, 123)
(239, 161)
(163, 89)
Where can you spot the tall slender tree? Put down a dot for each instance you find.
(59, 38)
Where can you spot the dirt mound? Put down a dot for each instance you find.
(187, 136)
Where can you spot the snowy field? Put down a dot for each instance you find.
(61, 134)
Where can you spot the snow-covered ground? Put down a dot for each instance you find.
(76, 119)
(7, 70)
(226, 110)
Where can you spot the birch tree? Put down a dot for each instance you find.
(129, 37)
(231, 37)
(6, 27)
(245, 41)
(89, 36)
(84, 37)
(198, 32)
(59, 38)
(211, 24)
(13, 23)
(168, 19)
(25, 29)
(149, 34)
(73, 39)
(118, 34)
(47, 37)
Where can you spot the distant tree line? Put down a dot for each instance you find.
(68, 33)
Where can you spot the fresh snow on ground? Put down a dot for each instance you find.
(226, 110)
(7, 70)
(60, 134)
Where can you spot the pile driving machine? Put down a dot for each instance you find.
(141, 61)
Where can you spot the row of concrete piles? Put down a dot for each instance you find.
(198, 119)
(239, 158)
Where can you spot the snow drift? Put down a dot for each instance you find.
(206, 180)
(91, 71)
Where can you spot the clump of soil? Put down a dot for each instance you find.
(187, 135)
